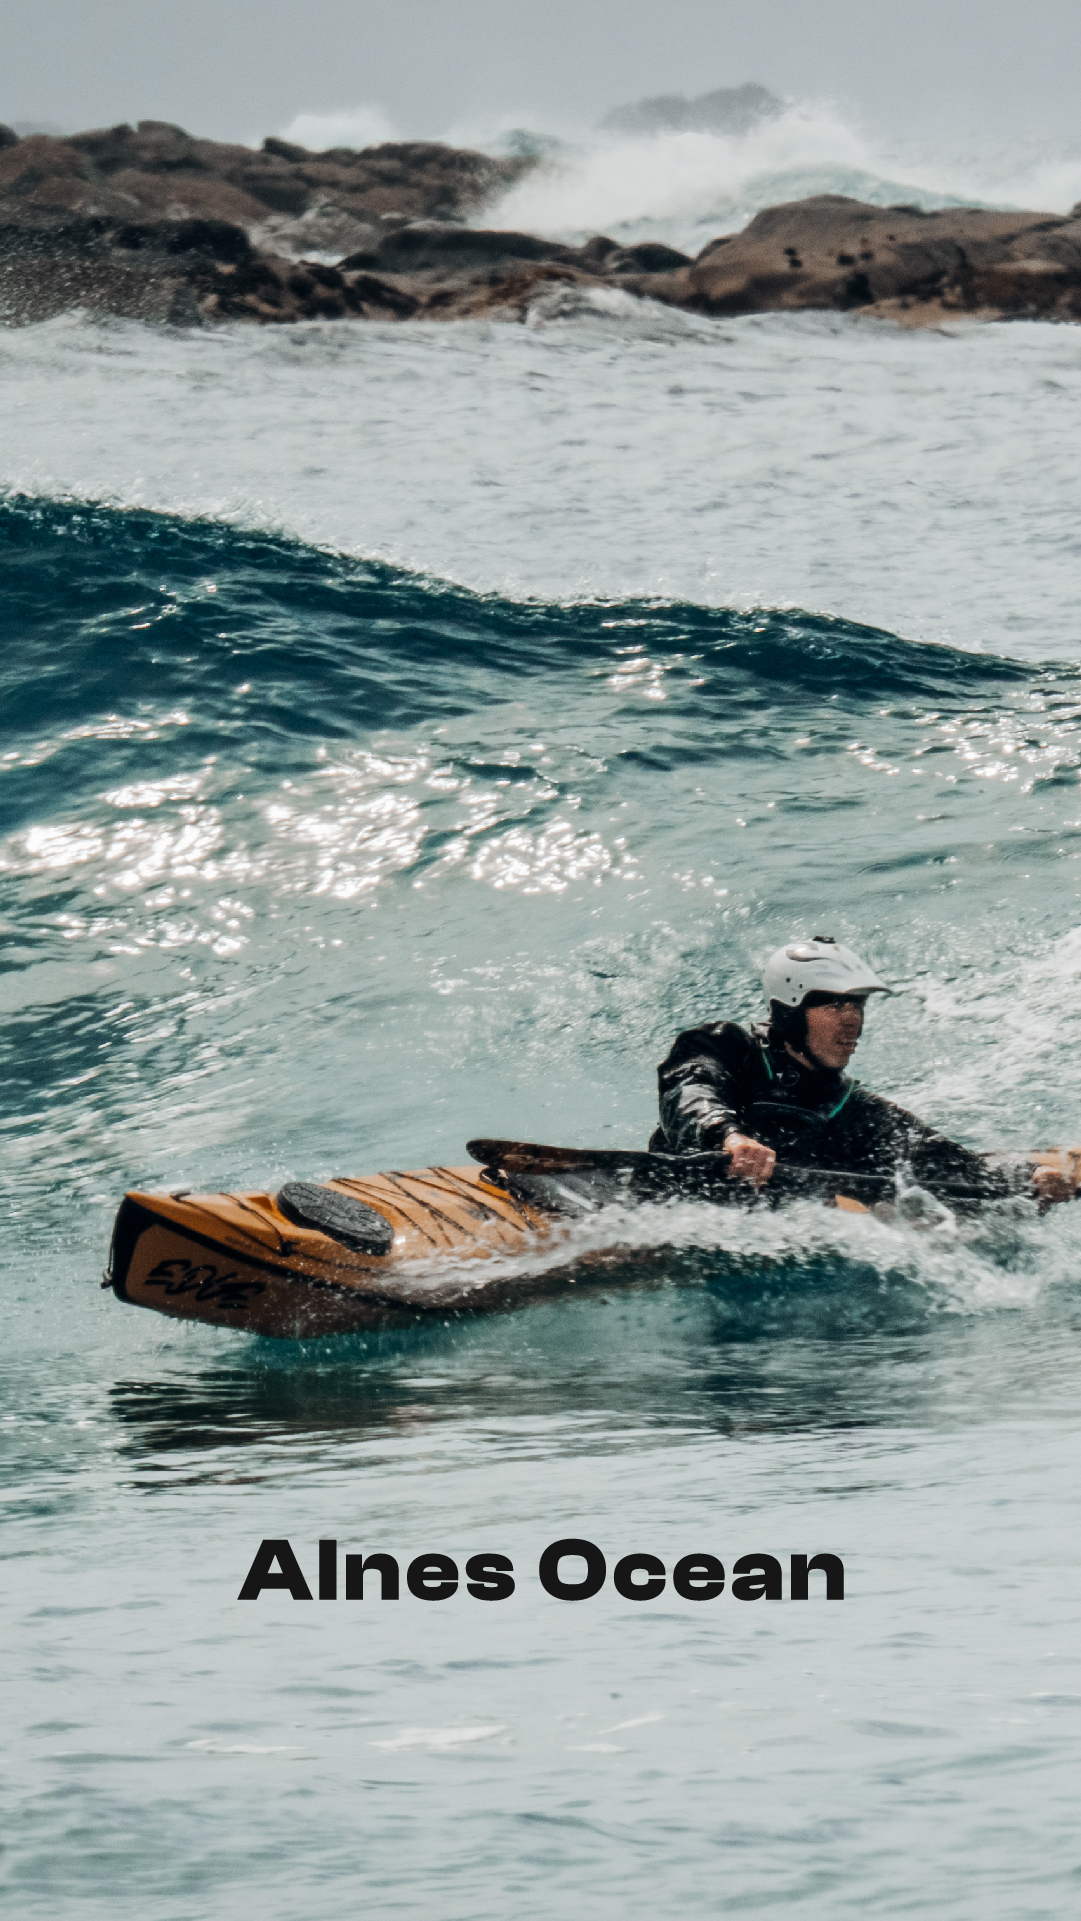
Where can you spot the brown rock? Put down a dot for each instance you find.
(160, 169)
(108, 219)
(422, 247)
(840, 254)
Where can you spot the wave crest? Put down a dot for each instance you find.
(685, 187)
(78, 573)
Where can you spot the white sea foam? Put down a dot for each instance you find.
(357, 127)
(685, 187)
(639, 1721)
(678, 180)
(1004, 1259)
(440, 1740)
(239, 1747)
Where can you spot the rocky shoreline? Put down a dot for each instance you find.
(152, 224)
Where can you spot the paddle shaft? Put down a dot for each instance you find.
(527, 1157)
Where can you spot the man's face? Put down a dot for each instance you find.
(834, 1028)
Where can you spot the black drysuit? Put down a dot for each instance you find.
(718, 1079)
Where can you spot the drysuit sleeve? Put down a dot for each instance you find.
(938, 1163)
(705, 1087)
(933, 1161)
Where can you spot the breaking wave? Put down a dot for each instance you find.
(685, 187)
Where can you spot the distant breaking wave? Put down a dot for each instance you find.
(356, 127)
(687, 186)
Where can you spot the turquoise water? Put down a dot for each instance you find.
(404, 735)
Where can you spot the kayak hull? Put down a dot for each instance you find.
(236, 1260)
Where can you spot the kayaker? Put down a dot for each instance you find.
(780, 1091)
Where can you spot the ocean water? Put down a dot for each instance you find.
(405, 732)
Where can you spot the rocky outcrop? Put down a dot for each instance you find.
(827, 253)
(194, 270)
(291, 199)
(153, 225)
(833, 253)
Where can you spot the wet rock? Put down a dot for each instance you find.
(447, 250)
(456, 254)
(51, 262)
(830, 252)
(379, 299)
(210, 239)
(158, 168)
(120, 217)
(649, 256)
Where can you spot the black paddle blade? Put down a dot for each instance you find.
(529, 1157)
(554, 1177)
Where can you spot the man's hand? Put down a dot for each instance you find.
(749, 1159)
(1048, 1185)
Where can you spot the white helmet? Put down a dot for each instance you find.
(817, 966)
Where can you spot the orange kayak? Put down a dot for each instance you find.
(390, 1249)
(243, 1260)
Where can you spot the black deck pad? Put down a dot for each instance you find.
(345, 1220)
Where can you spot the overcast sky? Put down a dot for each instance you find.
(245, 68)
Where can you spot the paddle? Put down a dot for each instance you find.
(686, 1171)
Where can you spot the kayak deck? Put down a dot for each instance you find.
(237, 1260)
